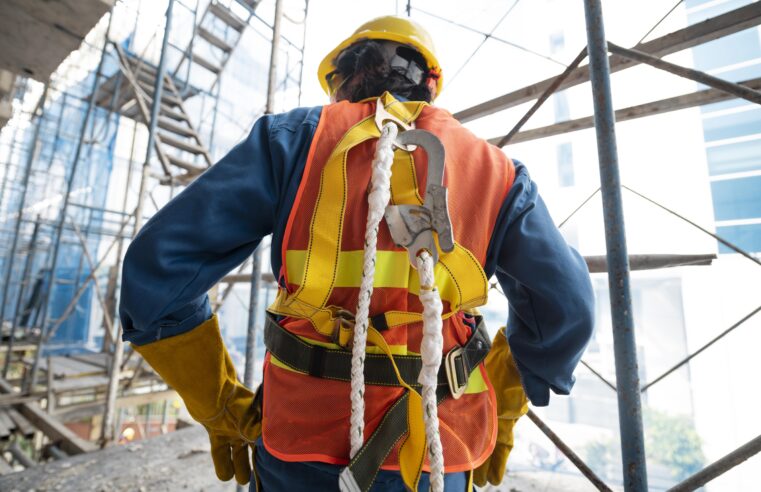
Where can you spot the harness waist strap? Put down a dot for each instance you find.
(322, 362)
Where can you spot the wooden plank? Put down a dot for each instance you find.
(86, 410)
(75, 384)
(15, 399)
(213, 39)
(100, 360)
(171, 141)
(700, 98)
(227, 16)
(5, 432)
(175, 461)
(6, 421)
(694, 35)
(22, 424)
(207, 64)
(55, 430)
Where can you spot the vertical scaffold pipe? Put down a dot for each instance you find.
(625, 348)
(158, 88)
(107, 429)
(254, 306)
(39, 114)
(58, 233)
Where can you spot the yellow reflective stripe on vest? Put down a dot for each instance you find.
(457, 278)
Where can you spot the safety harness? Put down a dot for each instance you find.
(458, 278)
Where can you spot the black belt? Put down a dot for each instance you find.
(335, 364)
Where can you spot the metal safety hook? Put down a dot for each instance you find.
(412, 226)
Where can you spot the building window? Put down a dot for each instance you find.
(736, 124)
(565, 164)
(734, 158)
(557, 42)
(737, 199)
(746, 236)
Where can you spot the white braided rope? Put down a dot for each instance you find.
(380, 193)
(431, 350)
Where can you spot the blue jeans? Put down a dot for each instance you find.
(276, 475)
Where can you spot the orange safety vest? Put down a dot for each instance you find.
(307, 418)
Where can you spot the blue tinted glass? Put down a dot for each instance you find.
(565, 164)
(557, 42)
(747, 237)
(734, 158)
(709, 12)
(732, 103)
(737, 198)
(560, 102)
(736, 48)
(732, 125)
(738, 74)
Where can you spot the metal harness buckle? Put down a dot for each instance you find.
(454, 364)
(342, 319)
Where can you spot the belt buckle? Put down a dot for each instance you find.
(455, 368)
(341, 319)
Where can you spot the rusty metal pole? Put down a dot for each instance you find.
(58, 234)
(107, 429)
(256, 268)
(624, 344)
(9, 262)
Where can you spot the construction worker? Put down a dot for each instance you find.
(309, 177)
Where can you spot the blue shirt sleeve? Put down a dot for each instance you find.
(211, 227)
(547, 284)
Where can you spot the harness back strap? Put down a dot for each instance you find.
(364, 467)
(460, 278)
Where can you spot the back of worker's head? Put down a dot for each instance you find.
(389, 53)
(370, 68)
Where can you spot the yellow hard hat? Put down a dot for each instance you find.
(128, 433)
(389, 28)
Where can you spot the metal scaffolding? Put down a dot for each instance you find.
(61, 261)
(178, 148)
(604, 58)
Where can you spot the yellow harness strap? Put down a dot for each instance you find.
(413, 449)
(459, 276)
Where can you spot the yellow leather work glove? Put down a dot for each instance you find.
(196, 364)
(511, 405)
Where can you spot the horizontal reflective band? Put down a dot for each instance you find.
(392, 268)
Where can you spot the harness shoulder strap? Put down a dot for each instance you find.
(326, 228)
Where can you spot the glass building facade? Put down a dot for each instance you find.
(732, 129)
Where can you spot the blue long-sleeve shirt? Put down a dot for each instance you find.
(217, 221)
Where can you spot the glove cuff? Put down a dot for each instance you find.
(197, 365)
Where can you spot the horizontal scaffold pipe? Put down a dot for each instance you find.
(722, 25)
(700, 98)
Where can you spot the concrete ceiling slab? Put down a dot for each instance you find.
(36, 35)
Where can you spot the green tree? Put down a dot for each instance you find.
(672, 441)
